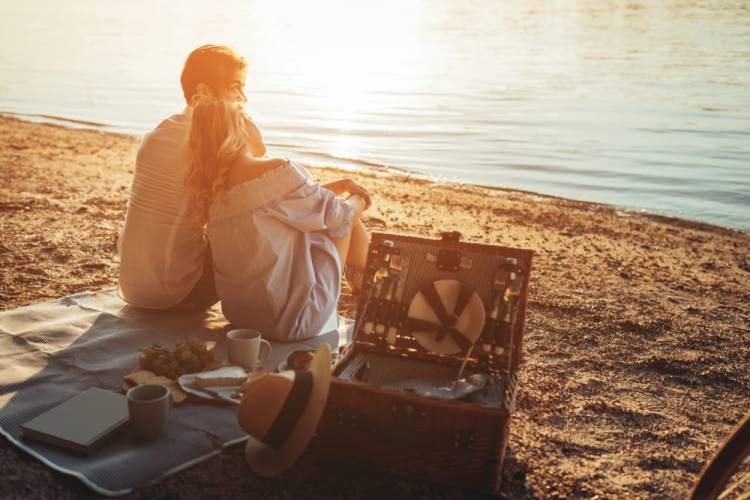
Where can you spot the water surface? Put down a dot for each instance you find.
(644, 105)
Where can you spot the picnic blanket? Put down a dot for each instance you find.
(50, 352)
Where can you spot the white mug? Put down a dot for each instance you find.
(246, 348)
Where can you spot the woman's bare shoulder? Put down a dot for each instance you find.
(248, 168)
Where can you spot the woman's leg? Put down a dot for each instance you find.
(360, 242)
(354, 245)
(354, 270)
(342, 245)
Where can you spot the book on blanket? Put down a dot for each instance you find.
(81, 423)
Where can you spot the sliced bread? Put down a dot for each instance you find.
(226, 376)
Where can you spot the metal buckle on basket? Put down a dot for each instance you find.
(450, 260)
(450, 236)
(463, 439)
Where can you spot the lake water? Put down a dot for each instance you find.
(644, 105)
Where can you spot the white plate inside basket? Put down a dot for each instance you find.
(470, 323)
(224, 393)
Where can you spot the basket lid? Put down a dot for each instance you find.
(444, 300)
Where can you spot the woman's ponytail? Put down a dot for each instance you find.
(217, 137)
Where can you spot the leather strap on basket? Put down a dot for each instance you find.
(447, 321)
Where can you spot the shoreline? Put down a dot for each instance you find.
(366, 166)
(636, 346)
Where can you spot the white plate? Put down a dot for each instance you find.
(224, 393)
(469, 324)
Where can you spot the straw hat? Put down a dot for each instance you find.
(281, 411)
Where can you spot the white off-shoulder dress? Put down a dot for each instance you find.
(276, 268)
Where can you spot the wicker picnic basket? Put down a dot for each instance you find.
(393, 403)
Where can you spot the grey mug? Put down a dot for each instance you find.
(149, 406)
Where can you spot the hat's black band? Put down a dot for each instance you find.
(295, 404)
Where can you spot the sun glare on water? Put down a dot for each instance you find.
(354, 53)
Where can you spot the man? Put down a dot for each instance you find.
(164, 257)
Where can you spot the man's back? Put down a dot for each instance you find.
(161, 249)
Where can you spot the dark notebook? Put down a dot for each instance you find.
(82, 423)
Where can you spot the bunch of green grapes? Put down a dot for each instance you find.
(190, 356)
(154, 356)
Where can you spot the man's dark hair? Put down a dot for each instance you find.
(211, 65)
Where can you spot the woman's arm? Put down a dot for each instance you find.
(357, 203)
(349, 186)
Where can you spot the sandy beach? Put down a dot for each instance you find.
(637, 342)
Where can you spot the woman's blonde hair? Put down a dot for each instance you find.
(219, 133)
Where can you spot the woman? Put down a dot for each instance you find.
(279, 240)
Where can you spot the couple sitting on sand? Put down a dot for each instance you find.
(211, 217)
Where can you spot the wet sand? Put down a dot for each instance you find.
(636, 351)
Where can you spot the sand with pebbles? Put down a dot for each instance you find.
(637, 343)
